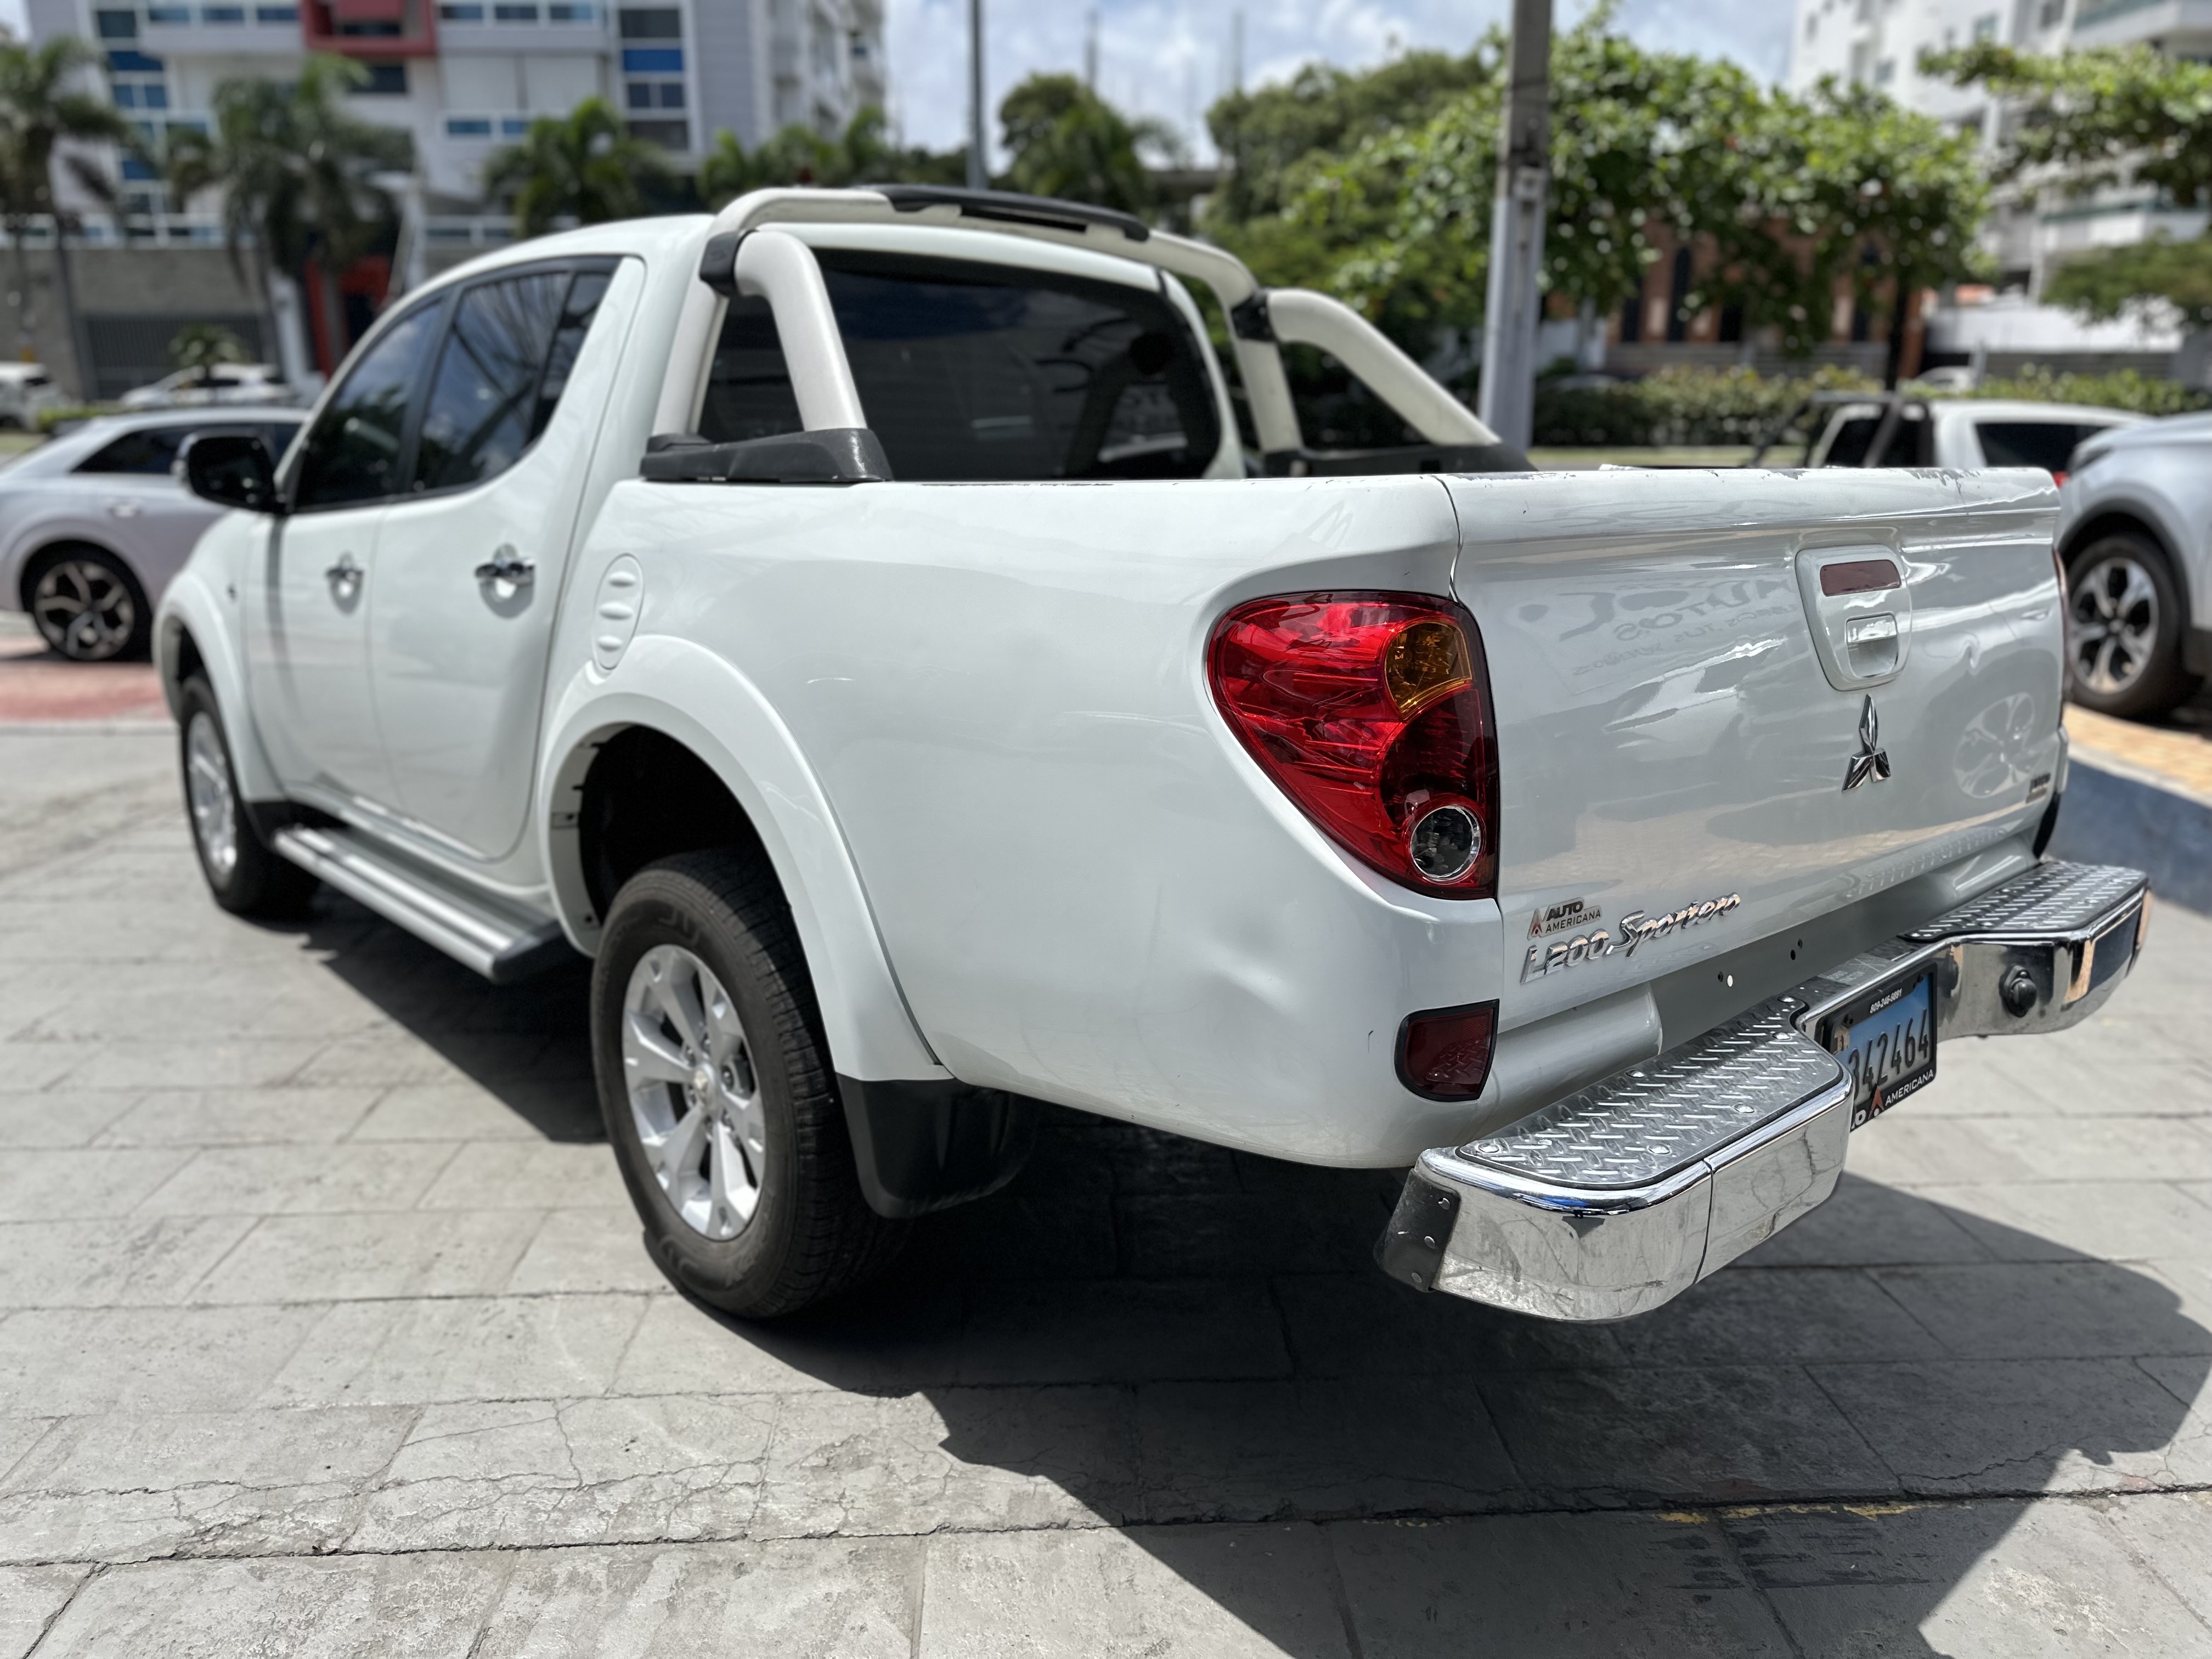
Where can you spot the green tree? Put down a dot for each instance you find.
(200, 346)
(862, 154)
(1064, 140)
(295, 173)
(41, 104)
(586, 166)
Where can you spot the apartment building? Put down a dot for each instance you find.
(464, 77)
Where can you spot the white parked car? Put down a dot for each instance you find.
(223, 383)
(26, 392)
(2135, 532)
(94, 524)
(853, 620)
(1962, 432)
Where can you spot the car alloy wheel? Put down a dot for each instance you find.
(2111, 624)
(207, 791)
(693, 1093)
(85, 609)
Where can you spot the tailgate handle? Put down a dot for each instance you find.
(1871, 643)
(1859, 607)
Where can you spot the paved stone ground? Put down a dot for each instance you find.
(324, 1329)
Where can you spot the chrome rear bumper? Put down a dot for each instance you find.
(1621, 1197)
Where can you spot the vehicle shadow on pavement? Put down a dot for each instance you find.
(1809, 1452)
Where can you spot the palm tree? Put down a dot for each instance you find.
(39, 109)
(295, 172)
(1067, 140)
(585, 165)
(863, 154)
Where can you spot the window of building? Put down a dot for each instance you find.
(514, 126)
(273, 15)
(222, 16)
(1885, 71)
(468, 126)
(172, 15)
(669, 135)
(565, 11)
(466, 14)
(116, 25)
(385, 80)
(135, 62)
(653, 95)
(654, 23)
(514, 14)
(1985, 27)
(2052, 15)
(652, 60)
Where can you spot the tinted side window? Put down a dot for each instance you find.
(585, 294)
(1336, 410)
(748, 391)
(971, 371)
(153, 449)
(485, 396)
(2047, 444)
(353, 453)
(1908, 443)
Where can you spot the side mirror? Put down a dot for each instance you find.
(232, 469)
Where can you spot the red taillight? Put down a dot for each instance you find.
(1444, 1054)
(1372, 712)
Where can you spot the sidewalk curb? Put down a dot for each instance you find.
(2114, 814)
(91, 728)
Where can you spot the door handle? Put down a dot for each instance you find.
(125, 509)
(345, 572)
(506, 566)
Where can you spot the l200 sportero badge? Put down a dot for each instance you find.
(1636, 928)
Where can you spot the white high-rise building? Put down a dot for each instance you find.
(464, 77)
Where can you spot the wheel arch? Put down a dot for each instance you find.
(191, 634)
(2128, 518)
(773, 798)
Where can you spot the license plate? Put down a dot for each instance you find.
(1887, 1042)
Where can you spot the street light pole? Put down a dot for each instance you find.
(1517, 232)
(979, 176)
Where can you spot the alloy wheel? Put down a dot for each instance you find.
(2111, 624)
(207, 788)
(693, 1095)
(84, 609)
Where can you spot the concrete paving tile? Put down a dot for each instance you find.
(331, 1181)
(239, 1117)
(2037, 1310)
(455, 1108)
(18, 1435)
(525, 1472)
(126, 1487)
(392, 1056)
(828, 1599)
(60, 1117)
(977, 1459)
(1176, 1593)
(1867, 1224)
(1121, 1331)
(2126, 1032)
(43, 1184)
(2110, 1147)
(115, 1263)
(184, 1063)
(534, 1175)
(1904, 1150)
(403, 1607)
(326, 1258)
(2171, 1534)
(26, 1066)
(1993, 1427)
(2066, 1220)
(29, 1599)
(2181, 1375)
(71, 1361)
(1361, 1324)
(464, 1348)
(1724, 1434)
(878, 1341)
(2024, 1580)
(192, 1002)
(1314, 1449)
(1250, 1235)
(595, 1249)
(1030, 1231)
(1772, 1315)
(2046, 1079)
(1549, 1586)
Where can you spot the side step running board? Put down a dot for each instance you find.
(501, 944)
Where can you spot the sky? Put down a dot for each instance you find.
(1170, 58)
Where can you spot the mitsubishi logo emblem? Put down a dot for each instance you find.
(1872, 760)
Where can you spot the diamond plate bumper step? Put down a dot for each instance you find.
(1619, 1197)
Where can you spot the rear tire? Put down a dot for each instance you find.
(2124, 626)
(718, 1093)
(245, 876)
(87, 604)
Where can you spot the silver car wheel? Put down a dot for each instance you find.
(84, 609)
(2111, 624)
(693, 1095)
(207, 787)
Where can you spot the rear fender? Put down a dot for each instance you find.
(659, 684)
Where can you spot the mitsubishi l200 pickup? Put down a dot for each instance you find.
(859, 622)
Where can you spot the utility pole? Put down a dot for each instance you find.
(1517, 232)
(979, 175)
(1236, 50)
(1090, 49)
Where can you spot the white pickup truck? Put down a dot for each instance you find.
(857, 622)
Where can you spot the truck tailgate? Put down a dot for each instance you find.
(1674, 743)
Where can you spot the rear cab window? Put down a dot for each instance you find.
(2047, 444)
(971, 372)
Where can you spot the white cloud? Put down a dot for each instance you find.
(1170, 58)
(11, 17)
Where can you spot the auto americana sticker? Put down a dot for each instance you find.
(1634, 929)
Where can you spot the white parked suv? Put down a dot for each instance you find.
(26, 391)
(855, 622)
(2135, 532)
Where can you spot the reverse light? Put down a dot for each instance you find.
(1443, 1053)
(1371, 711)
